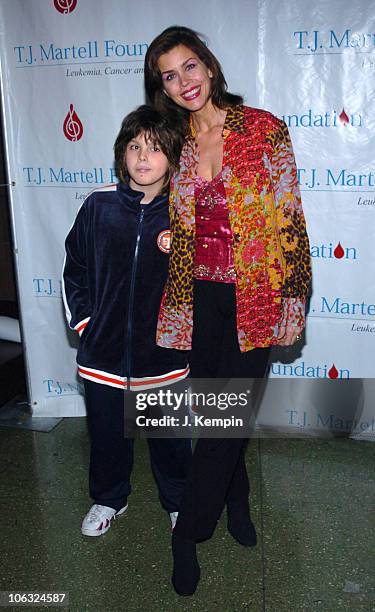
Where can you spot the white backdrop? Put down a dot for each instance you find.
(72, 69)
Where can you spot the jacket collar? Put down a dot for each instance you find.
(133, 198)
(234, 120)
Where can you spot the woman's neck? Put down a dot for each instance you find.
(207, 118)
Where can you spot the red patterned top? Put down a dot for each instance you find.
(270, 243)
(214, 259)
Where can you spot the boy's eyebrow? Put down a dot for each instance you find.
(135, 140)
(183, 64)
(148, 140)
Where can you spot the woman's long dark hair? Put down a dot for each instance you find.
(166, 41)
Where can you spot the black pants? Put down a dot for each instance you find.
(218, 472)
(111, 459)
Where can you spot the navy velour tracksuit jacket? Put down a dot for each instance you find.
(114, 274)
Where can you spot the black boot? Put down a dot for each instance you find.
(239, 523)
(186, 570)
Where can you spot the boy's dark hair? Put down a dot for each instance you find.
(147, 120)
(168, 40)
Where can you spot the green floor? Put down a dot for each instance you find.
(312, 502)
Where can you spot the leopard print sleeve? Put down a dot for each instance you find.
(290, 219)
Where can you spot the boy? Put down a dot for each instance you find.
(114, 274)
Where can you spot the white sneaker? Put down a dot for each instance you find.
(173, 517)
(98, 519)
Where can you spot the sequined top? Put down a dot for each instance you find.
(214, 259)
(270, 243)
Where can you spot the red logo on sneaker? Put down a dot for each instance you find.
(164, 241)
(65, 6)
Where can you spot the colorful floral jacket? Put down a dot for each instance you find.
(270, 243)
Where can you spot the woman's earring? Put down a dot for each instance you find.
(164, 92)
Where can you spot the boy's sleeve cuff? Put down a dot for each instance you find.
(81, 325)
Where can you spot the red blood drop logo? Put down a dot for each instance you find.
(333, 373)
(339, 252)
(343, 117)
(65, 6)
(73, 128)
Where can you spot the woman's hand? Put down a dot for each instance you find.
(292, 321)
(288, 335)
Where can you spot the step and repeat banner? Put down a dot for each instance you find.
(72, 69)
(316, 71)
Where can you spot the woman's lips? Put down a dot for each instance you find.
(193, 93)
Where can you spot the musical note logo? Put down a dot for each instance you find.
(65, 6)
(73, 128)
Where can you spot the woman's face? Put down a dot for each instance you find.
(186, 79)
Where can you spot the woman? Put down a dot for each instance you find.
(239, 264)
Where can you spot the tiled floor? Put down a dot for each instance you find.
(311, 500)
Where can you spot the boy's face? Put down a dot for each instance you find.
(146, 164)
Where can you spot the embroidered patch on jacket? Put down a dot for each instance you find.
(164, 241)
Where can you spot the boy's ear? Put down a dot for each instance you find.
(124, 170)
